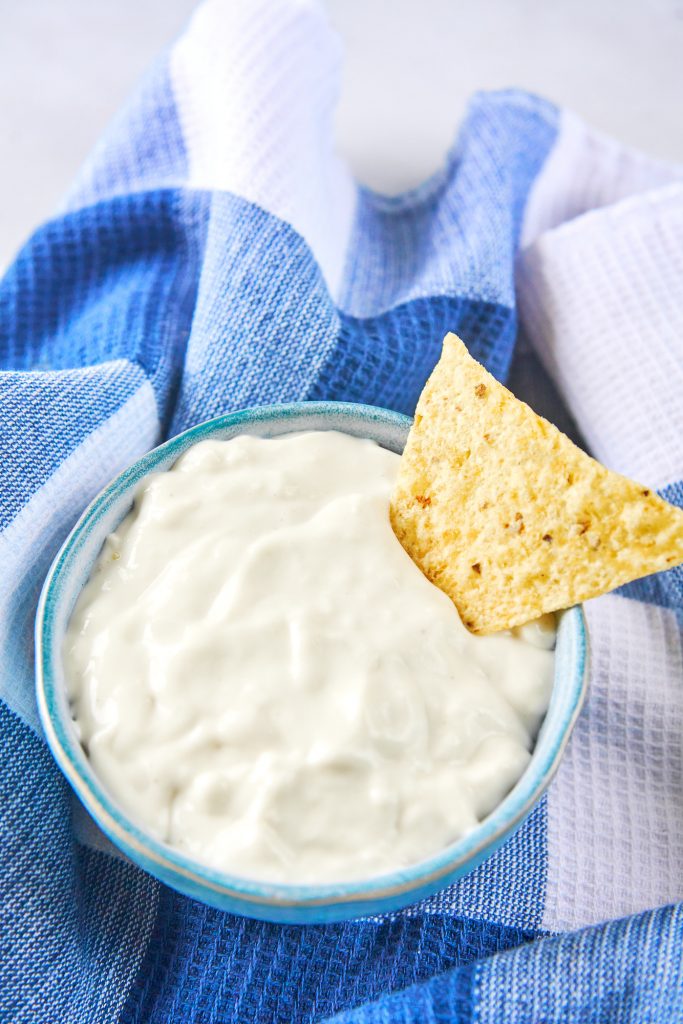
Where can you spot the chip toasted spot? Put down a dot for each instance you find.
(477, 567)
(517, 526)
(480, 390)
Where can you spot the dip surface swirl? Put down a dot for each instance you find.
(264, 679)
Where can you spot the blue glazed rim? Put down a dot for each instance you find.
(369, 895)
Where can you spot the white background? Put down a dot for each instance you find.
(66, 65)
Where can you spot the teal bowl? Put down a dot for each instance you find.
(304, 904)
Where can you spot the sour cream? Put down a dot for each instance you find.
(264, 679)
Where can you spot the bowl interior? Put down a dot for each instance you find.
(70, 572)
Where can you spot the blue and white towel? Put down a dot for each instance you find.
(215, 254)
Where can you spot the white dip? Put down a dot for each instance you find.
(263, 678)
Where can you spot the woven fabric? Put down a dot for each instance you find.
(215, 253)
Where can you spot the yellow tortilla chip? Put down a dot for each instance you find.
(507, 516)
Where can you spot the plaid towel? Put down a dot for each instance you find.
(214, 254)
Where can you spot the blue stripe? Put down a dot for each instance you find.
(456, 236)
(142, 150)
(263, 319)
(266, 330)
(509, 887)
(116, 281)
(206, 965)
(385, 360)
(73, 923)
(45, 416)
(623, 971)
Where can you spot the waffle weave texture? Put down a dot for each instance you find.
(214, 254)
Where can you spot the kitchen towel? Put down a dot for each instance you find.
(215, 253)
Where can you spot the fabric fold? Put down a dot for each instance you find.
(216, 253)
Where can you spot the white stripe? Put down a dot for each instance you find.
(255, 85)
(585, 171)
(615, 816)
(601, 300)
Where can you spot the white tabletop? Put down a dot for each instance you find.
(65, 67)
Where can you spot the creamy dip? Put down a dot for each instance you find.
(263, 678)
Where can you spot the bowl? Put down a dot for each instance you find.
(304, 904)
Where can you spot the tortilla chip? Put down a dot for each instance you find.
(507, 516)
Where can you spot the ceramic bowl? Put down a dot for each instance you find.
(277, 902)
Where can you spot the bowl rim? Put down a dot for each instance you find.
(133, 838)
